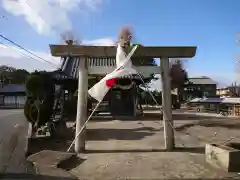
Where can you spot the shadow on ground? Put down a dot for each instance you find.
(102, 118)
(227, 123)
(71, 163)
(51, 143)
(36, 145)
(153, 116)
(22, 176)
(178, 116)
(151, 108)
(199, 150)
(104, 134)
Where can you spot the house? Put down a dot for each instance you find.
(12, 95)
(223, 92)
(199, 87)
(226, 105)
(230, 91)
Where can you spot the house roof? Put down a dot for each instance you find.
(216, 100)
(202, 80)
(13, 88)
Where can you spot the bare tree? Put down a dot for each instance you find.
(125, 36)
(179, 77)
(69, 38)
(237, 65)
(178, 73)
(234, 88)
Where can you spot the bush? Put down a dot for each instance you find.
(39, 86)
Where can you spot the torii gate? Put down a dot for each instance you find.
(84, 52)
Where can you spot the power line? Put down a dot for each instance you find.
(25, 49)
(7, 39)
(17, 51)
(30, 57)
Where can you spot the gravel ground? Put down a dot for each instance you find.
(133, 149)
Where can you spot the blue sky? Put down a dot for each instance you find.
(211, 25)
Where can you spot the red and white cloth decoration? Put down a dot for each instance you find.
(124, 67)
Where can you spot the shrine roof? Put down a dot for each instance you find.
(70, 66)
(104, 62)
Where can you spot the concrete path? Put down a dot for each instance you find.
(5, 112)
(15, 162)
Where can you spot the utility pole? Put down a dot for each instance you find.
(167, 104)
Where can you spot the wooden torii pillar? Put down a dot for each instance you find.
(164, 53)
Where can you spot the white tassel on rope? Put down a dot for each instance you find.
(130, 65)
(158, 105)
(148, 90)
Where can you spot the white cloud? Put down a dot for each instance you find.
(46, 16)
(16, 57)
(100, 42)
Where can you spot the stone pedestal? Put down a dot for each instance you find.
(226, 157)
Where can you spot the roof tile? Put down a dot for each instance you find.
(13, 88)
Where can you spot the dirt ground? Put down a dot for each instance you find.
(133, 149)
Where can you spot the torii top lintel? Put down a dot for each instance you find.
(110, 51)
